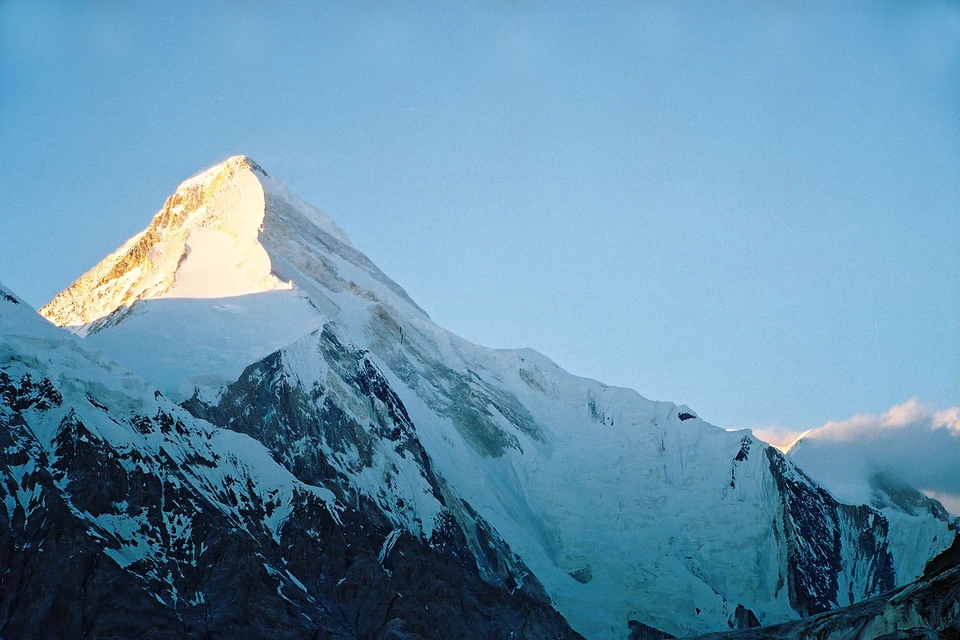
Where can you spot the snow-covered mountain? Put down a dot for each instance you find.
(126, 517)
(255, 312)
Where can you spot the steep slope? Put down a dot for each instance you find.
(928, 608)
(672, 514)
(846, 467)
(624, 509)
(203, 245)
(124, 516)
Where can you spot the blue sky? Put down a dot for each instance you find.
(751, 209)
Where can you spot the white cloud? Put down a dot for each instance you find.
(950, 502)
(911, 442)
(777, 435)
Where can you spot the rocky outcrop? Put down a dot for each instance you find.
(926, 608)
(124, 516)
(837, 554)
(348, 428)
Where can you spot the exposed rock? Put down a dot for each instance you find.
(153, 524)
(927, 608)
(640, 631)
(821, 534)
(744, 618)
(582, 575)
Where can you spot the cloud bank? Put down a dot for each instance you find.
(910, 442)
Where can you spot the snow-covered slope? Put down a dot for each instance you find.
(202, 246)
(121, 515)
(849, 467)
(623, 508)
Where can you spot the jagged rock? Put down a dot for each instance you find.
(122, 516)
(927, 608)
(744, 618)
(640, 631)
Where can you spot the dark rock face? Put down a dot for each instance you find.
(742, 456)
(154, 534)
(417, 591)
(821, 532)
(946, 559)
(60, 580)
(56, 582)
(640, 631)
(745, 618)
(299, 426)
(583, 575)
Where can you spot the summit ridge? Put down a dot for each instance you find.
(204, 243)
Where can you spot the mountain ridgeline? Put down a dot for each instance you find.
(255, 432)
(127, 517)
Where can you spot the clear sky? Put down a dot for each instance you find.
(750, 208)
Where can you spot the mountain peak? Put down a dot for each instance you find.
(202, 243)
(212, 179)
(230, 165)
(230, 168)
(231, 230)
